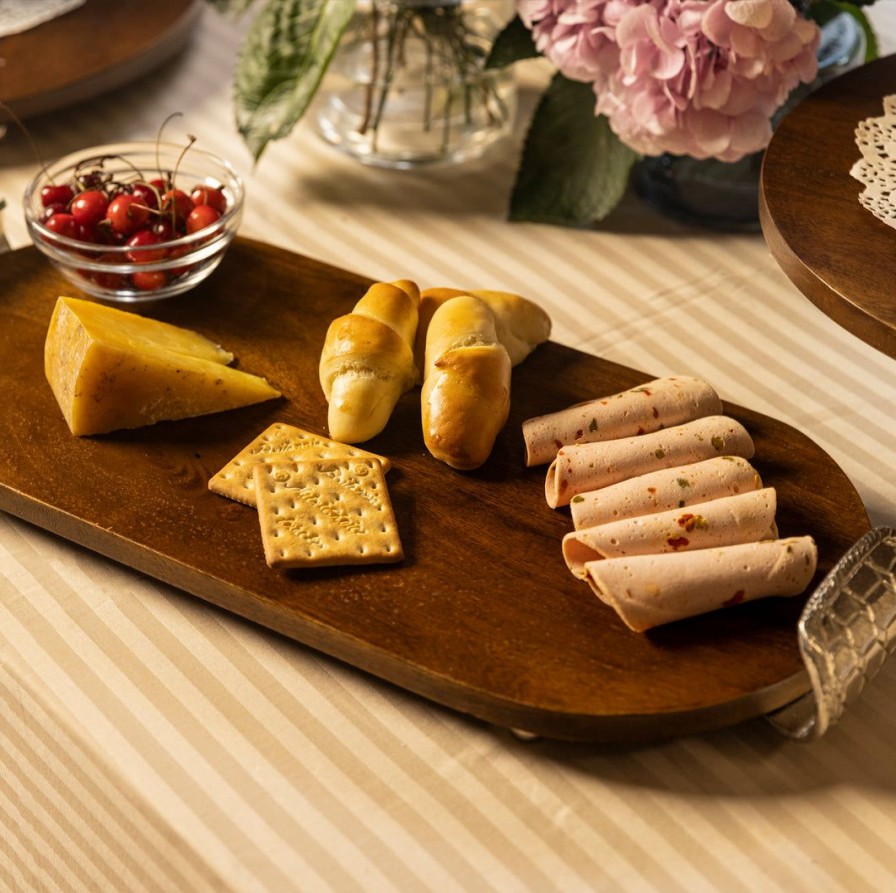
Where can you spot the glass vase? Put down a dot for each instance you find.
(407, 85)
(725, 195)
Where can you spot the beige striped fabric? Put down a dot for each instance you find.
(149, 742)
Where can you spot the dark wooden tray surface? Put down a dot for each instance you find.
(837, 253)
(482, 616)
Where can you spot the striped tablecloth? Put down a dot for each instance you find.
(149, 742)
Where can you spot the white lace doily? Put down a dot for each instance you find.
(22, 15)
(876, 169)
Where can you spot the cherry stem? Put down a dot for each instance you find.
(162, 126)
(21, 125)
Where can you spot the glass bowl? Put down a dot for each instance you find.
(170, 263)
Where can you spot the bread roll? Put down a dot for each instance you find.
(466, 385)
(367, 361)
(521, 325)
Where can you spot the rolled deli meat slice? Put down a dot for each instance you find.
(665, 489)
(661, 403)
(650, 590)
(745, 518)
(582, 467)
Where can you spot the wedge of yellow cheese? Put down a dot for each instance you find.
(110, 369)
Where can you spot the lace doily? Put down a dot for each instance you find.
(876, 169)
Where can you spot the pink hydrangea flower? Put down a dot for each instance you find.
(690, 77)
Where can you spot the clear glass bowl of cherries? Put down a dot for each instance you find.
(136, 221)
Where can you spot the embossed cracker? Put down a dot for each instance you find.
(278, 443)
(325, 512)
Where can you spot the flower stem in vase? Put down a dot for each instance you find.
(408, 84)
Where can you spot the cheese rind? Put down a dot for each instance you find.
(111, 370)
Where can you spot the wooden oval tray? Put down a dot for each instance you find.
(482, 616)
(96, 47)
(838, 254)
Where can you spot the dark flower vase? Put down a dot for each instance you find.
(725, 195)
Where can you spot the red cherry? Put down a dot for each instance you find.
(209, 195)
(177, 204)
(142, 241)
(161, 186)
(149, 280)
(108, 280)
(163, 229)
(180, 251)
(147, 195)
(200, 217)
(63, 225)
(89, 207)
(56, 194)
(87, 232)
(126, 213)
(103, 234)
(51, 209)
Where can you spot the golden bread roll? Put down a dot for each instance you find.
(367, 361)
(521, 325)
(466, 385)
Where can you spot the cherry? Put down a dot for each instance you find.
(126, 213)
(148, 194)
(200, 217)
(163, 229)
(103, 234)
(177, 205)
(142, 242)
(53, 208)
(209, 195)
(54, 194)
(149, 280)
(108, 280)
(173, 254)
(63, 225)
(86, 232)
(89, 207)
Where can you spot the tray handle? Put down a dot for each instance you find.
(846, 632)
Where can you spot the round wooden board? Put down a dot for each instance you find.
(97, 47)
(482, 615)
(836, 252)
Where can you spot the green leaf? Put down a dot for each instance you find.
(281, 64)
(511, 45)
(574, 169)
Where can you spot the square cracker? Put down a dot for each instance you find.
(325, 512)
(279, 442)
